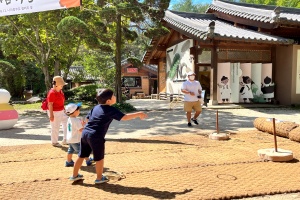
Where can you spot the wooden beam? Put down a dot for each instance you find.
(153, 61)
(253, 46)
(161, 47)
(243, 61)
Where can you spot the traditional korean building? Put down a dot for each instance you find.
(140, 82)
(78, 76)
(241, 53)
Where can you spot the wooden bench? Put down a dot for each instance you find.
(164, 96)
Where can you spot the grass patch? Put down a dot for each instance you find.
(37, 106)
(86, 106)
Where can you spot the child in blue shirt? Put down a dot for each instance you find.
(93, 134)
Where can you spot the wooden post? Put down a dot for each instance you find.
(217, 122)
(274, 133)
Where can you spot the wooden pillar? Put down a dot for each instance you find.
(214, 76)
(273, 60)
(162, 77)
(195, 52)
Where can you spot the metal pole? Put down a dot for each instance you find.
(274, 133)
(217, 122)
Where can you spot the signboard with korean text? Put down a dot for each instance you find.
(14, 7)
(132, 70)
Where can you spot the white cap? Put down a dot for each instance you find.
(72, 107)
(191, 73)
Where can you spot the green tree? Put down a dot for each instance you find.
(188, 6)
(12, 77)
(123, 18)
(5, 69)
(52, 38)
(98, 64)
(282, 3)
(31, 37)
(34, 78)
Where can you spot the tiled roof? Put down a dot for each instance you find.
(152, 68)
(256, 12)
(206, 26)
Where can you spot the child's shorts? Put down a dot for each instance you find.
(74, 148)
(89, 145)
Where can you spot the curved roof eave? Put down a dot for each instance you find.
(261, 13)
(207, 27)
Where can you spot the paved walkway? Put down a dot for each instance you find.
(158, 149)
(33, 127)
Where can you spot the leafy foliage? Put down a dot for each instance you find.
(188, 6)
(156, 32)
(283, 3)
(135, 61)
(85, 93)
(5, 69)
(125, 107)
(34, 78)
(52, 39)
(12, 78)
(98, 64)
(124, 19)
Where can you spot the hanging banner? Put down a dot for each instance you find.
(14, 7)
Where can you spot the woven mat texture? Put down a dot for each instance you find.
(186, 166)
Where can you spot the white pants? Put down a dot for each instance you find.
(60, 118)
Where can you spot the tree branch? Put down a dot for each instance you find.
(18, 31)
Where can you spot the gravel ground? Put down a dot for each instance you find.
(33, 126)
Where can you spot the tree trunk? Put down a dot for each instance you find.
(56, 67)
(118, 90)
(47, 78)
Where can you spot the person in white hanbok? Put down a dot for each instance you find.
(225, 89)
(246, 92)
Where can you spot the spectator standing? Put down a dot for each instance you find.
(192, 90)
(56, 112)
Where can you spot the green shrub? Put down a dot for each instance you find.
(125, 107)
(84, 92)
(87, 93)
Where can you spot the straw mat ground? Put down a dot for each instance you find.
(187, 166)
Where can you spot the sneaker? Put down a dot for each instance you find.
(69, 164)
(189, 124)
(78, 177)
(104, 179)
(57, 145)
(89, 162)
(64, 142)
(195, 121)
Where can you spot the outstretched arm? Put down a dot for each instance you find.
(131, 116)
